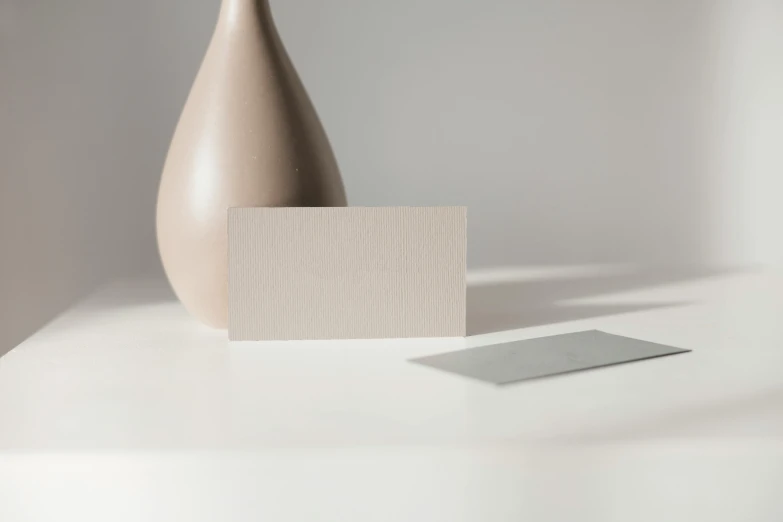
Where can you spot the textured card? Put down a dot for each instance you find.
(533, 358)
(346, 273)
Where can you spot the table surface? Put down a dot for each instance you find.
(126, 409)
(128, 369)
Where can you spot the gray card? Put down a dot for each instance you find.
(533, 358)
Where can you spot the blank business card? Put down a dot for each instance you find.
(346, 273)
(533, 358)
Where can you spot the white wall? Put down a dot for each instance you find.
(85, 114)
(576, 132)
(748, 131)
(566, 127)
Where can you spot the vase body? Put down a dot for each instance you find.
(248, 136)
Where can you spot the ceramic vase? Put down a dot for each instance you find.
(248, 136)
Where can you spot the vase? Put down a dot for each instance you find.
(248, 136)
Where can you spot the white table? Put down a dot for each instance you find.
(124, 408)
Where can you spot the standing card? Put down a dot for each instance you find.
(346, 273)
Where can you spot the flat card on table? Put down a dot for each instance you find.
(346, 273)
(533, 358)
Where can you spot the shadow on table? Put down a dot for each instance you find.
(521, 301)
(125, 293)
(498, 300)
(103, 302)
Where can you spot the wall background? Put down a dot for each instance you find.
(645, 132)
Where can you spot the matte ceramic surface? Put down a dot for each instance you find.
(248, 136)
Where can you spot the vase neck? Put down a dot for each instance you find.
(233, 11)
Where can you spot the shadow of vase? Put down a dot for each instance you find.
(510, 299)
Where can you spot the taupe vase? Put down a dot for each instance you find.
(248, 136)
